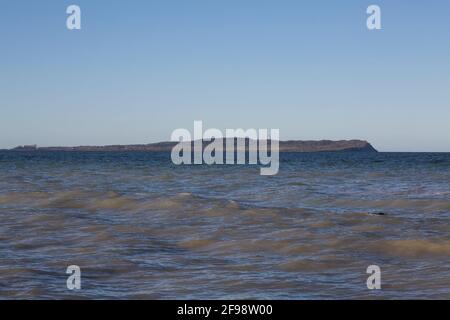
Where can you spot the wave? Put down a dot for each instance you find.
(417, 204)
(414, 247)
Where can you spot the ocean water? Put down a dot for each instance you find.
(140, 227)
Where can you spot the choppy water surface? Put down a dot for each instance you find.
(140, 227)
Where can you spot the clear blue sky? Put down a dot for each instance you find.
(140, 69)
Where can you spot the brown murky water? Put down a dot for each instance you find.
(140, 227)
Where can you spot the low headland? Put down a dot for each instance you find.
(284, 146)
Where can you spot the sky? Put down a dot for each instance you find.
(137, 70)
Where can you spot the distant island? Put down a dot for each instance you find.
(284, 146)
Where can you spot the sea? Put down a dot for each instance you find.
(140, 227)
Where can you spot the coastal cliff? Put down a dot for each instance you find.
(285, 146)
(326, 146)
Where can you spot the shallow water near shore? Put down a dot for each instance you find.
(140, 227)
